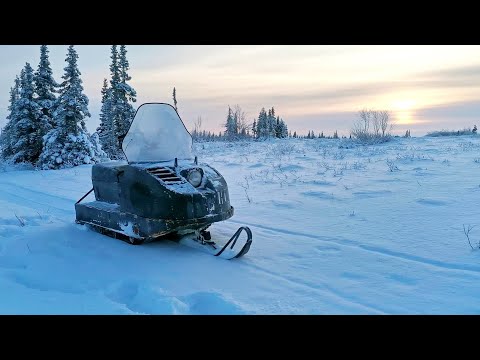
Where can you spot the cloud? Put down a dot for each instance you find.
(304, 83)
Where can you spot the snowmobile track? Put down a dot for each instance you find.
(29, 201)
(374, 249)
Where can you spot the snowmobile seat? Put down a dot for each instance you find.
(105, 179)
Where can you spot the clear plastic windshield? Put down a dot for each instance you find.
(157, 134)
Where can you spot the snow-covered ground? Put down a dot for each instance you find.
(337, 230)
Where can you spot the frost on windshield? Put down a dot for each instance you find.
(157, 134)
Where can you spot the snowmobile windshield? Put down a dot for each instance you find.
(157, 134)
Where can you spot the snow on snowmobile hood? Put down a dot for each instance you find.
(157, 134)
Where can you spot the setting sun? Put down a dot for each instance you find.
(403, 111)
(401, 105)
(403, 117)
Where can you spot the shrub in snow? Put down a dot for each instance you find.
(466, 231)
(63, 151)
(466, 131)
(391, 166)
(372, 127)
(97, 147)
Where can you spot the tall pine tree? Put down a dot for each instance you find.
(45, 88)
(115, 101)
(27, 130)
(272, 122)
(230, 126)
(122, 95)
(69, 143)
(262, 124)
(105, 130)
(6, 137)
(72, 103)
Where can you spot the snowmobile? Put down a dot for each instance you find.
(160, 191)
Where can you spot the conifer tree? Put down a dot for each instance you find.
(105, 130)
(230, 125)
(6, 137)
(262, 124)
(121, 97)
(45, 88)
(69, 143)
(27, 130)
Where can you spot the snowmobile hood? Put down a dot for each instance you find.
(157, 133)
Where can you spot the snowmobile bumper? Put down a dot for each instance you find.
(109, 216)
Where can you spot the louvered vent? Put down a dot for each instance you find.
(166, 175)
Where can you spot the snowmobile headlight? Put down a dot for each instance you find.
(194, 177)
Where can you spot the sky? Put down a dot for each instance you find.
(312, 87)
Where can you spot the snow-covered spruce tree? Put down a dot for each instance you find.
(284, 129)
(97, 147)
(69, 144)
(262, 125)
(281, 130)
(27, 129)
(45, 89)
(106, 131)
(130, 95)
(122, 95)
(114, 97)
(272, 122)
(6, 135)
(230, 125)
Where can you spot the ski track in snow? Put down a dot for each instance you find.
(377, 250)
(375, 241)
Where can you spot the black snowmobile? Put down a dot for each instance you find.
(161, 191)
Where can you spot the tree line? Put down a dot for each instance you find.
(266, 125)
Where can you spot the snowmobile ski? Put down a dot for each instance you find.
(202, 241)
(199, 240)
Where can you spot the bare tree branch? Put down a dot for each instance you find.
(466, 231)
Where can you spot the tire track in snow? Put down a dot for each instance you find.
(374, 249)
(37, 194)
(319, 288)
